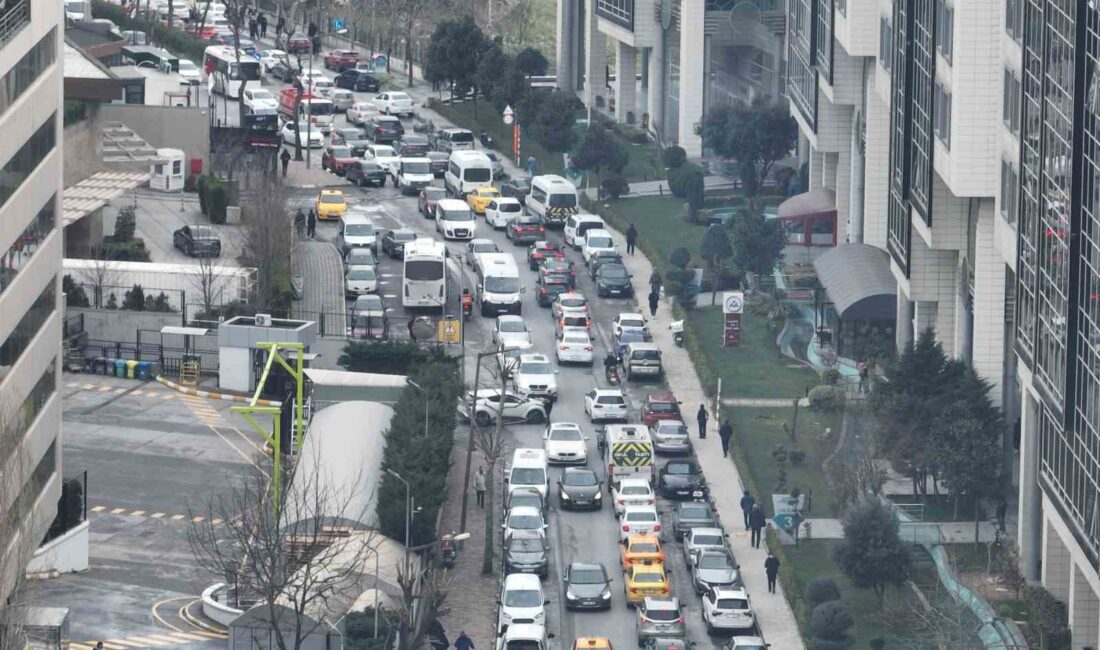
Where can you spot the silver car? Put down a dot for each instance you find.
(659, 617)
(670, 437)
(714, 568)
(702, 538)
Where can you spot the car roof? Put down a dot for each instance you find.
(569, 295)
(509, 317)
(706, 531)
(524, 510)
(629, 314)
(579, 470)
(507, 199)
(660, 396)
(668, 423)
(340, 192)
(564, 425)
(639, 508)
(609, 391)
(522, 581)
(533, 357)
(730, 592)
(634, 481)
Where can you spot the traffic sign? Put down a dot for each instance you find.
(337, 24)
(733, 302)
(450, 331)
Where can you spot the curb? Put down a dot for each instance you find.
(213, 395)
(186, 615)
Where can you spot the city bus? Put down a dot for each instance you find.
(219, 63)
(425, 275)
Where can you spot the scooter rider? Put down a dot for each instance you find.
(467, 302)
(610, 363)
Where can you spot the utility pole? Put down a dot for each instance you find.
(470, 442)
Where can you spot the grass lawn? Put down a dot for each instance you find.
(656, 218)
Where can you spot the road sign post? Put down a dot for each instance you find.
(450, 331)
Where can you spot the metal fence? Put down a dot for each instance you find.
(166, 351)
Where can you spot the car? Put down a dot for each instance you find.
(535, 376)
(304, 135)
(341, 99)
(365, 172)
(645, 579)
(383, 154)
(526, 551)
(511, 331)
(487, 405)
(393, 242)
(574, 347)
(728, 608)
(525, 496)
(384, 128)
(480, 197)
(394, 103)
(548, 287)
(601, 404)
(439, 161)
(564, 443)
(661, 405)
(359, 112)
(580, 488)
(747, 643)
(352, 137)
(516, 188)
(497, 162)
(558, 266)
(268, 58)
(702, 538)
(631, 492)
(500, 211)
(189, 72)
(573, 321)
(639, 519)
(571, 302)
(523, 518)
(297, 42)
(630, 322)
(613, 280)
(660, 617)
(670, 437)
(337, 158)
(359, 280)
(429, 196)
(197, 241)
(667, 643)
(714, 568)
(601, 258)
(358, 81)
(525, 229)
(360, 256)
(477, 246)
(681, 479)
(321, 87)
(621, 342)
(521, 600)
(640, 548)
(596, 240)
(692, 514)
(246, 45)
(283, 71)
(340, 60)
(540, 250)
(368, 316)
(587, 586)
(330, 204)
(412, 145)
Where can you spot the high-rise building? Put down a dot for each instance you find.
(31, 113)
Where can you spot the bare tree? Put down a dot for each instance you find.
(939, 622)
(423, 599)
(266, 242)
(101, 274)
(493, 447)
(855, 477)
(209, 283)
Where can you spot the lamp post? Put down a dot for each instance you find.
(509, 117)
(408, 511)
(424, 393)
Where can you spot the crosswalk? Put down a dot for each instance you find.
(203, 410)
(165, 640)
(97, 387)
(148, 514)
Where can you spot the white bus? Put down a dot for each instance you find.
(224, 75)
(425, 275)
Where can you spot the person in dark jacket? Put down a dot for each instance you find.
(653, 298)
(631, 239)
(311, 223)
(747, 502)
(280, 25)
(655, 282)
(464, 642)
(725, 432)
(701, 417)
(285, 158)
(757, 521)
(771, 569)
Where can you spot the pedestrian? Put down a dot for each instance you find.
(479, 486)
(653, 299)
(285, 158)
(747, 502)
(280, 25)
(548, 405)
(864, 373)
(311, 223)
(756, 524)
(725, 432)
(1002, 512)
(312, 29)
(412, 321)
(631, 239)
(263, 25)
(532, 166)
(701, 417)
(655, 281)
(98, 645)
(463, 642)
(771, 569)
(252, 28)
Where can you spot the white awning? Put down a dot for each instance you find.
(185, 331)
(94, 192)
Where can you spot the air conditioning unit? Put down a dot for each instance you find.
(263, 320)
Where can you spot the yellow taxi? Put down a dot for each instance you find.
(592, 643)
(331, 204)
(644, 579)
(480, 198)
(640, 548)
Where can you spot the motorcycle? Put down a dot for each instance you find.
(467, 310)
(612, 374)
(677, 328)
(486, 139)
(447, 551)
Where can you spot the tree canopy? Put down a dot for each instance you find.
(598, 150)
(454, 54)
(872, 554)
(757, 242)
(531, 62)
(756, 135)
(548, 116)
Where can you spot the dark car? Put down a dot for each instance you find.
(357, 80)
(667, 643)
(681, 479)
(365, 172)
(439, 162)
(337, 159)
(526, 551)
(579, 487)
(297, 42)
(384, 129)
(284, 71)
(587, 586)
(693, 514)
(412, 145)
(541, 250)
(429, 196)
(197, 241)
(599, 259)
(339, 60)
(613, 280)
(549, 286)
(524, 497)
(352, 137)
(517, 188)
(393, 242)
(525, 229)
(559, 266)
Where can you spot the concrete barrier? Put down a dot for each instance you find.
(66, 554)
(215, 610)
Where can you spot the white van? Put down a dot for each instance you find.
(454, 219)
(356, 231)
(466, 172)
(578, 224)
(498, 285)
(553, 198)
(529, 470)
(596, 240)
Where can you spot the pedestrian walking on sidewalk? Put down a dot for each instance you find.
(747, 502)
(479, 486)
(771, 569)
(311, 223)
(725, 432)
(701, 417)
(285, 158)
(464, 642)
(1002, 512)
(631, 239)
(280, 25)
(532, 166)
(655, 281)
(756, 524)
(653, 298)
(263, 25)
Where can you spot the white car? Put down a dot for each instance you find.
(189, 71)
(702, 538)
(747, 643)
(306, 77)
(360, 112)
(309, 137)
(511, 332)
(454, 219)
(639, 519)
(383, 154)
(478, 246)
(571, 303)
(595, 241)
(523, 518)
(341, 99)
(516, 407)
(605, 404)
(521, 598)
(359, 280)
(260, 100)
(564, 443)
(727, 608)
(394, 103)
(268, 59)
(630, 322)
(574, 345)
(630, 492)
(535, 377)
(500, 211)
(321, 87)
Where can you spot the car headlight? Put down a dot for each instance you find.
(599, 496)
(570, 595)
(606, 595)
(565, 497)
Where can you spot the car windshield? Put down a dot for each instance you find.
(587, 577)
(672, 429)
(333, 198)
(536, 368)
(528, 476)
(679, 468)
(361, 274)
(477, 174)
(611, 399)
(512, 326)
(462, 214)
(521, 644)
(631, 490)
(510, 207)
(368, 303)
(715, 561)
(497, 284)
(707, 540)
(580, 479)
(528, 221)
(662, 407)
(563, 200)
(641, 516)
(694, 512)
(360, 256)
(341, 152)
(382, 151)
(484, 247)
(417, 167)
(662, 614)
(522, 598)
(260, 93)
(423, 270)
(646, 355)
(318, 108)
(462, 136)
(404, 236)
(643, 547)
(572, 302)
(399, 97)
(613, 272)
(635, 323)
(533, 500)
(524, 522)
(732, 603)
(566, 435)
(353, 134)
(434, 193)
(202, 232)
(599, 242)
(526, 544)
(648, 577)
(187, 66)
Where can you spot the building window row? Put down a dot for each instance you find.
(945, 29)
(885, 43)
(620, 12)
(27, 328)
(24, 416)
(823, 38)
(27, 159)
(27, 70)
(1010, 192)
(26, 245)
(922, 82)
(942, 121)
(19, 515)
(14, 16)
(1014, 19)
(1010, 113)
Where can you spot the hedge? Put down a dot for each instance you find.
(175, 40)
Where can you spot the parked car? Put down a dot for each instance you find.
(365, 172)
(340, 60)
(702, 538)
(197, 241)
(728, 608)
(579, 487)
(681, 479)
(629, 321)
(662, 405)
(670, 437)
(692, 514)
(337, 158)
(525, 229)
(613, 280)
(497, 162)
(429, 196)
(526, 551)
(352, 137)
(599, 259)
(358, 80)
(714, 568)
(393, 242)
(660, 617)
(308, 137)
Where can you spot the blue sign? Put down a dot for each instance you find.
(787, 521)
(337, 24)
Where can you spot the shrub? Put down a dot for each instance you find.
(821, 589)
(217, 199)
(112, 302)
(130, 251)
(674, 157)
(388, 357)
(826, 398)
(695, 190)
(125, 225)
(75, 296)
(134, 300)
(679, 257)
(830, 620)
(877, 643)
(1046, 620)
(200, 186)
(615, 187)
(796, 456)
(831, 377)
(158, 303)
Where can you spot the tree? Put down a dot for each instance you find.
(493, 446)
(757, 135)
(498, 77)
(548, 116)
(872, 554)
(531, 62)
(695, 188)
(209, 284)
(715, 249)
(966, 452)
(75, 296)
(101, 274)
(454, 53)
(599, 149)
(266, 241)
(134, 300)
(757, 242)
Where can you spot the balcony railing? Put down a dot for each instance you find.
(13, 18)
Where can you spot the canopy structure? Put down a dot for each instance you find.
(809, 219)
(331, 386)
(859, 282)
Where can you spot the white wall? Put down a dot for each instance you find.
(66, 554)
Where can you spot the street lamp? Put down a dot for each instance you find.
(424, 393)
(408, 510)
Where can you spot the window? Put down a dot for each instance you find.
(26, 245)
(943, 115)
(24, 416)
(14, 16)
(1010, 113)
(27, 70)
(27, 158)
(885, 43)
(27, 328)
(945, 26)
(620, 12)
(1014, 19)
(1010, 187)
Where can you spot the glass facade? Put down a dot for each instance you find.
(23, 249)
(27, 329)
(26, 160)
(28, 70)
(823, 38)
(801, 72)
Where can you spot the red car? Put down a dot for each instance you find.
(660, 406)
(429, 196)
(208, 32)
(340, 60)
(541, 250)
(298, 42)
(337, 158)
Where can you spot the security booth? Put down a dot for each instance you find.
(857, 315)
(241, 360)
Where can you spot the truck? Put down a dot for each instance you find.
(410, 175)
(180, 282)
(317, 110)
